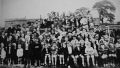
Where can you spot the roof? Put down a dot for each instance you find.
(16, 19)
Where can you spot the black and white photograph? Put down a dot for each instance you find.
(59, 33)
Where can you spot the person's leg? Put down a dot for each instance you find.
(93, 60)
(2, 61)
(49, 59)
(70, 61)
(45, 61)
(63, 59)
(52, 60)
(88, 57)
(60, 58)
(55, 59)
(96, 61)
(83, 63)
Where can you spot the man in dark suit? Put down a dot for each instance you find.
(76, 53)
(48, 40)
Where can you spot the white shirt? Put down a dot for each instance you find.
(70, 50)
(20, 52)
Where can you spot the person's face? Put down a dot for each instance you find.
(63, 29)
(79, 36)
(64, 45)
(97, 36)
(84, 30)
(74, 38)
(3, 33)
(77, 30)
(88, 44)
(10, 37)
(19, 46)
(2, 45)
(91, 31)
(82, 42)
(103, 46)
(9, 45)
(22, 35)
(46, 46)
(66, 38)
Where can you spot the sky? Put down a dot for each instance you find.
(11, 9)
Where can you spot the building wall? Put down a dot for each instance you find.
(10, 23)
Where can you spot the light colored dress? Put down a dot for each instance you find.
(3, 53)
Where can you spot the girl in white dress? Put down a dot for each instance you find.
(3, 52)
(89, 53)
(19, 53)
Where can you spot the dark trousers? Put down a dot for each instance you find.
(70, 61)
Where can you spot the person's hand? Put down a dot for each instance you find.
(76, 56)
(72, 56)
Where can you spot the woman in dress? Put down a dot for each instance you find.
(3, 52)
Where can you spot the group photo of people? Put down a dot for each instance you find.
(36, 37)
(67, 41)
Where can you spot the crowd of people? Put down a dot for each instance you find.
(67, 41)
